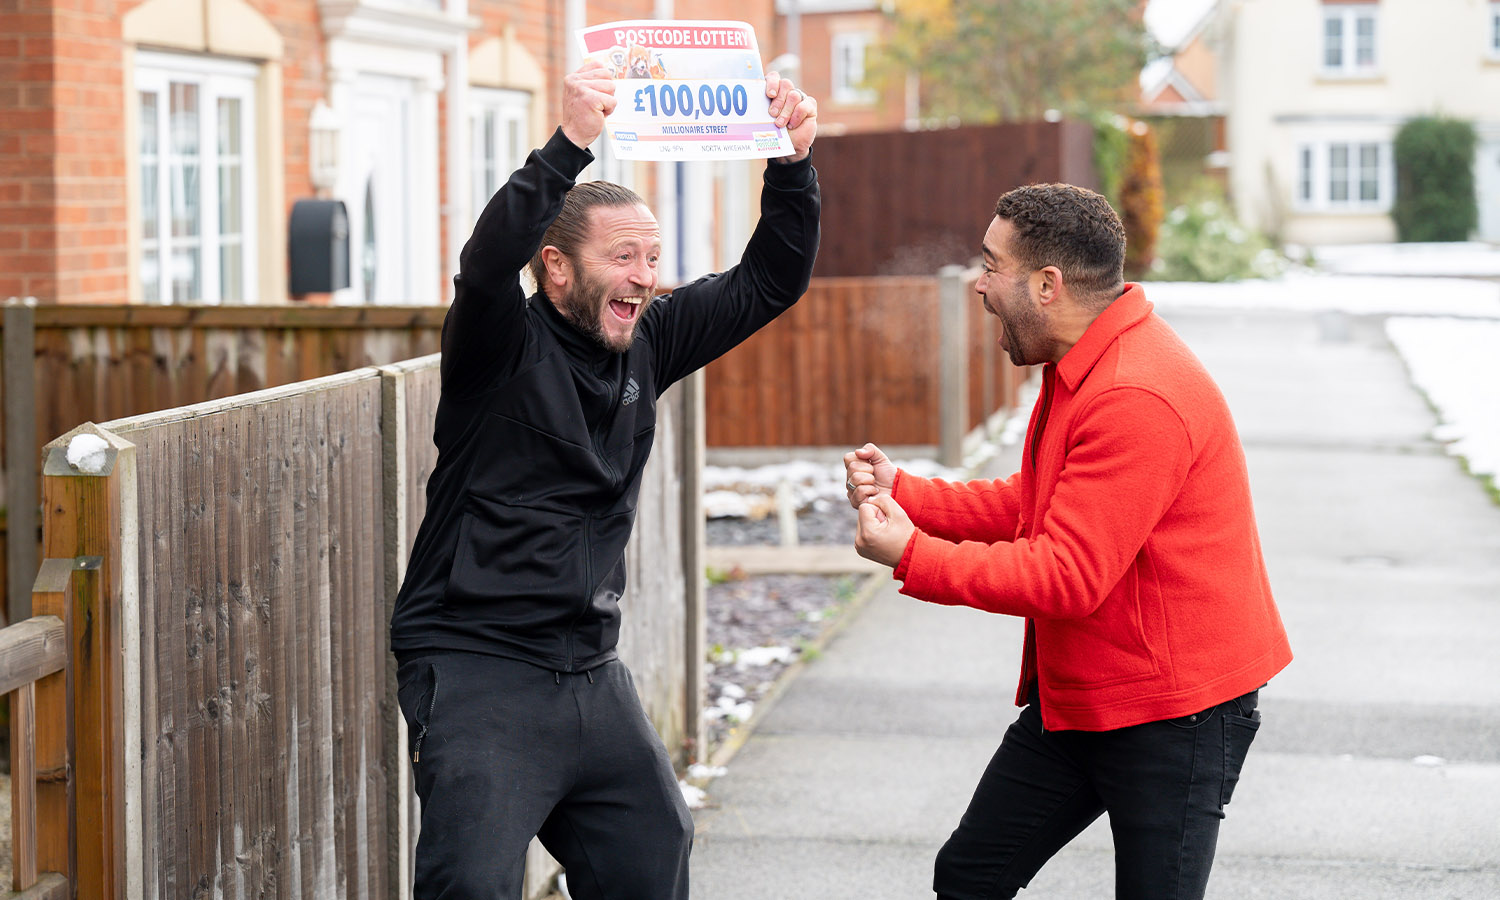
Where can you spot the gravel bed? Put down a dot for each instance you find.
(824, 522)
(757, 627)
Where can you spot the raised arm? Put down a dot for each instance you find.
(704, 319)
(482, 330)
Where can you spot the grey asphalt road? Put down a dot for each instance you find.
(1377, 771)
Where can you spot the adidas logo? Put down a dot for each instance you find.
(632, 392)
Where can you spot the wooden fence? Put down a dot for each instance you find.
(907, 361)
(909, 202)
(243, 696)
(64, 365)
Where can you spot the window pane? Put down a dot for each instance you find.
(231, 194)
(1304, 174)
(1364, 41)
(186, 202)
(1369, 173)
(1495, 30)
(151, 276)
(186, 266)
(184, 119)
(1338, 173)
(1333, 42)
(229, 126)
(149, 115)
(231, 273)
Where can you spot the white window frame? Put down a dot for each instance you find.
(1324, 166)
(1492, 33)
(499, 139)
(847, 57)
(215, 79)
(1349, 17)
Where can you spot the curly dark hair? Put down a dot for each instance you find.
(571, 227)
(1072, 228)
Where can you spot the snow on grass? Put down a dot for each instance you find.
(1456, 363)
(1357, 294)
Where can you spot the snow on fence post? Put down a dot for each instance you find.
(88, 492)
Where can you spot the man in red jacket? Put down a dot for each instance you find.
(1128, 543)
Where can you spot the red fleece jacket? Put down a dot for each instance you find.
(1127, 539)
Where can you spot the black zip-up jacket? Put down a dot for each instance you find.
(542, 433)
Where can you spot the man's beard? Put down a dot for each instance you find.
(583, 306)
(1025, 328)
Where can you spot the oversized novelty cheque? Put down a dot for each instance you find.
(686, 90)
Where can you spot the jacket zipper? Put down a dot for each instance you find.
(588, 586)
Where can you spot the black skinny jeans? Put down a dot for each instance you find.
(1164, 785)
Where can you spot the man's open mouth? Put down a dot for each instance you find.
(627, 308)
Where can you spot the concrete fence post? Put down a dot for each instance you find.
(692, 454)
(953, 400)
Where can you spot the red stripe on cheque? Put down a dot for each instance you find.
(684, 37)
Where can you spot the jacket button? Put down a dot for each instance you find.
(1192, 718)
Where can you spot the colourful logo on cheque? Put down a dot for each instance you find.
(766, 140)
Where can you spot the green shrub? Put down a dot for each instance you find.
(1435, 180)
(1202, 242)
(1111, 144)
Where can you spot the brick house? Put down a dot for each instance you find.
(833, 40)
(152, 151)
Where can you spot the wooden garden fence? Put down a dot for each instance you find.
(204, 701)
(906, 361)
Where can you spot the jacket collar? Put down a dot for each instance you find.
(1126, 311)
(578, 344)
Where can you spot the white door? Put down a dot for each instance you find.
(1487, 189)
(381, 241)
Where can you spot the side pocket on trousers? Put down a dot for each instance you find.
(418, 698)
(1239, 731)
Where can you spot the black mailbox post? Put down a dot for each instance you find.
(318, 247)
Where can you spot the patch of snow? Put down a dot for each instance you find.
(700, 772)
(764, 656)
(1356, 294)
(1430, 762)
(1455, 363)
(88, 453)
(1471, 259)
(695, 796)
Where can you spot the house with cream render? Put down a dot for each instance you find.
(153, 151)
(1315, 92)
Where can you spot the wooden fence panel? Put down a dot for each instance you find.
(264, 652)
(903, 203)
(855, 360)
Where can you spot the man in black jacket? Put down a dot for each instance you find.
(522, 720)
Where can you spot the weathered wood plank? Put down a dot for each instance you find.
(52, 596)
(31, 650)
(23, 870)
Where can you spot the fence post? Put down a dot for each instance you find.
(394, 476)
(19, 378)
(52, 595)
(953, 381)
(691, 455)
(90, 512)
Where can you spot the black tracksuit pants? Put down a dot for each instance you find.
(503, 751)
